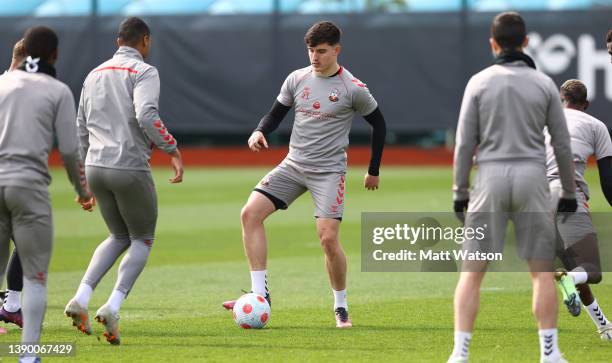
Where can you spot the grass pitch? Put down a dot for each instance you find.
(174, 313)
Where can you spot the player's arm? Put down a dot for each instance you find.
(146, 101)
(268, 124)
(603, 152)
(379, 133)
(604, 165)
(561, 144)
(69, 148)
(82, 131)
(466, 141)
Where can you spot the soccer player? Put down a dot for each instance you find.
(504, 111)
(10, 312)
(325, 97)
(35, 109)
(579, 249)
(609, 43)
(118, 123)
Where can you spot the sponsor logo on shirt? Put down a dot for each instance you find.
(316, 105)
(322, 116)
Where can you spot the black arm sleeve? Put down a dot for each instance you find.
(379, 132)
(605, 177)
(273, 118)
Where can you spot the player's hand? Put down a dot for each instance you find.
(566, 206)
(87, 204)
(257, 141)
(176, 161)
(370, 182)
(460, 207)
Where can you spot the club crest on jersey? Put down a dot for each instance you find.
(316, 105)
(334, 95)
(306, 93)
(265, 181)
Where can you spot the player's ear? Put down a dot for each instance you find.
(494, 46)
(586, 105)
(118, 42)
(337, 49)
(525, 42)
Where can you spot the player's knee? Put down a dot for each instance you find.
(249, 215)
(595, 277)
(329, 243)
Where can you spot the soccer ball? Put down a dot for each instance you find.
(251, 311)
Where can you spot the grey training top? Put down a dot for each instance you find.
(589, 137)
(503, 114)
(35, 111)
(118, 115)
(324, 110)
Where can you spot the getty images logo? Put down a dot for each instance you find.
(555, 54)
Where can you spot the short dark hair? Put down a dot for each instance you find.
(574, 92)
(609, 36)
(322, 32)
(40, 42)
(132, 30)
(508, 29)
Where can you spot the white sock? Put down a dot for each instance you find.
(13, 301)
(115, 300)
(340, 299)
(579, 276)
(549, 350)
(462, 344)
(259, 282)
(597, 315)
(83, 295)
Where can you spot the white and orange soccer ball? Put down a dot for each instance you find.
(252, 311)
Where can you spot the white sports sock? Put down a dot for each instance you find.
(340, 299)
(549, 350)
(597, 315)
(13, 301)
(259, 282)
(115, 300)
(461, 349)
(579, 276)
(83, 295)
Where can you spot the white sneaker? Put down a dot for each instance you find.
(457, 360)
(605, 332)
(560, 359)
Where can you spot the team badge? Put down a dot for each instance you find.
(334, 95)
(306, 93)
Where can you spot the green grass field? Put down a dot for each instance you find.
(174, 313)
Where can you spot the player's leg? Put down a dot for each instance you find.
(11, 308)
(535, 238)
(105, 254)
(257, 208)
(466, 303)
(5, 236)
(277, 190)
(328, 193)
(33, 231)
(137, 203)
(581, 258)
(545, 310)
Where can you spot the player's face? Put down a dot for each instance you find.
(323, 56)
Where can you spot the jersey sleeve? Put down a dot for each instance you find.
(603, 145)
(363, 101)
(146, 100)
(466, 141)
(82, 131)
(560, 142)
(68, 143)
(287, 91)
